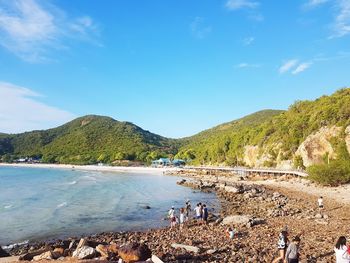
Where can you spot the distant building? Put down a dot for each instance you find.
(161, 162)
(178, 162)
(167, 162)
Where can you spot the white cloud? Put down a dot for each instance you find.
(341, 25)
(21, 110)
(315, 3)
(288, 65)
(247, 65)
(32, 28)
(239, 4)
(301, 67)
(199, 29)
(248, 41)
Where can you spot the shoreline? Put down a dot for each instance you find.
(254, 243)
(95, 168)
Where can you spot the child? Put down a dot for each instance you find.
(182, 217)
(172, 217)
(230, 233)
(281, 245)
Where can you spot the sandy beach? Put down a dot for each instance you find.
(99, 168)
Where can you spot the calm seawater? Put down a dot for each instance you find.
(37, 203)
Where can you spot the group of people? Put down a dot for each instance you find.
(287, 251)
(201, 214)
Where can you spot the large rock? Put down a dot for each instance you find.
(3, 253)
(84, 252)
(188, 248)
(46, 255)
(347, 138)
(134, 252)
(236, 220)
(29, 256)
(317, 145)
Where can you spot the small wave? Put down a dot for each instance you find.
(9, 247)
(72, 183)
(62, 205)
(8, 206)
(90, 178)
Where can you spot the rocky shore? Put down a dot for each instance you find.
(257, 212)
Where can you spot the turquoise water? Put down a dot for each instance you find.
(42, 203)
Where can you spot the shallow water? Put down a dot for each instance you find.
(56, 203)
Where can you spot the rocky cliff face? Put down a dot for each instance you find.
(312, 150)
(317, 145)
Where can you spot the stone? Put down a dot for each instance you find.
(187, 248)
(58, 252)
(236, 220)
(318, 216)
(45, 255)
(71, 245)
(134, 252)
(103, 250)
(83, 242)
(3, 253)
(211, 251)
(156, 259)
(232, 189)
(31, 255)
(84, 252)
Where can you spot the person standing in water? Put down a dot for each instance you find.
(172, 217)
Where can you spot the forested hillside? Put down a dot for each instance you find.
(86, 140)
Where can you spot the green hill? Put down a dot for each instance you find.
(308, 134)
(89, 139)
(272, 136)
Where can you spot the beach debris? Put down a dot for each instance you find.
(186, 247)
(134, 252)
(84, 252)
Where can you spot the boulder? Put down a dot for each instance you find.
(233, 189)
(45, 255)
(236, 220)
(134, 252)
(187, 248)
(84, 252)
(29, 256)
(58, 252)
(83, 242)
(3, 253)
(156, 259)
(103, 250)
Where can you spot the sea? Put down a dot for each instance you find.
(45, 203)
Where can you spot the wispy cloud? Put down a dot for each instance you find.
(301, 67)
(31, 29)
(239, 4)
(21, 110)
(314, 3)
(247, 65)
(248, 41)
(199, 28)
(341, 24)
(288, 65)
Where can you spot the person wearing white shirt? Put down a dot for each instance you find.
(341, 251)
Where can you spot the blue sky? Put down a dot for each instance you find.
(172, 67)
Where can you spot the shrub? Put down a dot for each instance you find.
(333, 174)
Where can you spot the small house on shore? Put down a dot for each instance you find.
(162, 162)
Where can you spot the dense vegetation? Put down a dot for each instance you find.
(88, 140)
(92, 139)
(225, 143)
